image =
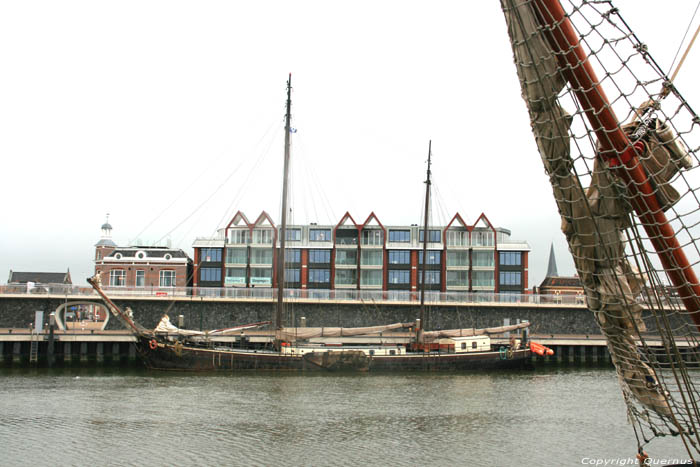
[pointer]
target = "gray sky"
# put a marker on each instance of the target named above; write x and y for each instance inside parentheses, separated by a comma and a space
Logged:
(143, 108)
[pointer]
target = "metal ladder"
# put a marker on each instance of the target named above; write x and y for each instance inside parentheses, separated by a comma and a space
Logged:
(34, 348)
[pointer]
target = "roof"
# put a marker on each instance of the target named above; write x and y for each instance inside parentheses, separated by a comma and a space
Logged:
(552, 266)
(106, 242)
(562, 282)
(149, 251)
(18, 277)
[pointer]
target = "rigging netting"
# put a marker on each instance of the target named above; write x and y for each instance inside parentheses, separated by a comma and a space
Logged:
(619, 144)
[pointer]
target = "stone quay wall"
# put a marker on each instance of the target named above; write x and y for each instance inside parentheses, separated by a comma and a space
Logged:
(215, 314)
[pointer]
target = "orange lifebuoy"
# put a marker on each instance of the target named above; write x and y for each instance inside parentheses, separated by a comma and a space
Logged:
(153, 344)
(540, 349)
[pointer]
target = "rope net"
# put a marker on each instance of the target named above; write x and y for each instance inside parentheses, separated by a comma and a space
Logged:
(620, 144)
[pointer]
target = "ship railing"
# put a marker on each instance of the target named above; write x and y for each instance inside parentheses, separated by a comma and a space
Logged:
(267, 293)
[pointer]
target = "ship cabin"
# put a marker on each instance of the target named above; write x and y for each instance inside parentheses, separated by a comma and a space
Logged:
(466, 344)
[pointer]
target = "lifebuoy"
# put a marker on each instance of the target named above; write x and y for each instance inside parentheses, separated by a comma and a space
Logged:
(153, 344)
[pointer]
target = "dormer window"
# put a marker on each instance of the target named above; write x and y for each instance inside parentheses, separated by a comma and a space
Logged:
(168, 257)
(140, 255)
(118, 256)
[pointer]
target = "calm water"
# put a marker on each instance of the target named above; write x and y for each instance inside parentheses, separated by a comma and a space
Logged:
(125, 417)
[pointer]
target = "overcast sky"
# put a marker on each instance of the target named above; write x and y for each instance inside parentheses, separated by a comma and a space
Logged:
(168, 115)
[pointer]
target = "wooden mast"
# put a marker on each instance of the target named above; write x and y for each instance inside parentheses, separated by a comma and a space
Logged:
(283, 227)
(425, 249)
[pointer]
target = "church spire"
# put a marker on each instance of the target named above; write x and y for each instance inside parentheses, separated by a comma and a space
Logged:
(552, 266)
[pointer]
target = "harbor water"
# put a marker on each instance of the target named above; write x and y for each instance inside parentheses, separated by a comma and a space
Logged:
(547, 417)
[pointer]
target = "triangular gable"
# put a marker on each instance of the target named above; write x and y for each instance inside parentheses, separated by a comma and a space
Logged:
(237, 219)
(371, 217)
(457, 218)
(344, 219)
(264, 219)
(484, 221)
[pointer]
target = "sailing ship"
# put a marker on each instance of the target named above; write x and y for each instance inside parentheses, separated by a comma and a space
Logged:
(626, 191)
(287, 348)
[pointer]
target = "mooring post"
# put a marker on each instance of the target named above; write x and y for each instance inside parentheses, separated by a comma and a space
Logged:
(50, 350)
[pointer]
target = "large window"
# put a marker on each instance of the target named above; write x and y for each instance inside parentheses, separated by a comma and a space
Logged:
(291, 276)
(235, 276)
(320, 276)
(457, 278)
(433, 236)
(510, 277)
(212, 255)
(210, 274)
(372, 257)
(482, 258)
(399, 257)
(140, 278)
(346, 257)
(292, 256)
(319, 256)
(431, 277)
(510, 258)
(238, 236)
(260, 276)
(433, 257)
(399, 277)
(482, 238)
(458, 258)
(237, 255)
(117, 278)
(167, 278)
(372, 237)
(262, 236)
(260, 256)
(294, 235)
(320, 235)
(371, 277)
(457, 238)
(346, 277)
(400, 236)
(482, 279)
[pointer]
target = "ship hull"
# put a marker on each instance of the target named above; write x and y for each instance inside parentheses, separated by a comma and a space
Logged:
(173, 356)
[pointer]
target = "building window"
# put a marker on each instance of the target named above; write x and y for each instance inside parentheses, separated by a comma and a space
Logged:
(400, 236)
(235, 276)
(346, 277)
(210, 274)
(433, 236)
(458, 258)
(510, 277)
(482, 238)
(260, 276)
(320, 235)
(237, 255)
(399, 277)
(238, 236)
(262, 236)
(371, 277)
(457, 238)
(433, 257)
(320, 276)
(482, 279)
(292, 256)
(167, 278)
(346, 257)
(431, 277)
(140, 278)
(294, 235)
(291, 276)
(399, 257)
(212, 255)
(372, 257)
(260, 256)
(117, 278)
(482, 258)
(510, 258)
(319, 256)
(140, 255)
(372, 237)
(457, 278)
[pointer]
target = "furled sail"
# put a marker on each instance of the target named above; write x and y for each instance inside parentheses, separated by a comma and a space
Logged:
(291, 334)
(625, 194)
(469, 332)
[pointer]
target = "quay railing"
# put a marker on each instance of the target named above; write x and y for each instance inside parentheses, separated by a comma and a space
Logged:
(267, 293)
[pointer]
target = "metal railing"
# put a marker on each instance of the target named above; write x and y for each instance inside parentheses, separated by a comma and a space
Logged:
(267, 293)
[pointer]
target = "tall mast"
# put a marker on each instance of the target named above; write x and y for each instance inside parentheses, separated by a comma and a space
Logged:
(283, 228)
(425, 248)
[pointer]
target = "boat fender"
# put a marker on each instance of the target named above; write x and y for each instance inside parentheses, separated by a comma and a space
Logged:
(540, 349)
(153, 344)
